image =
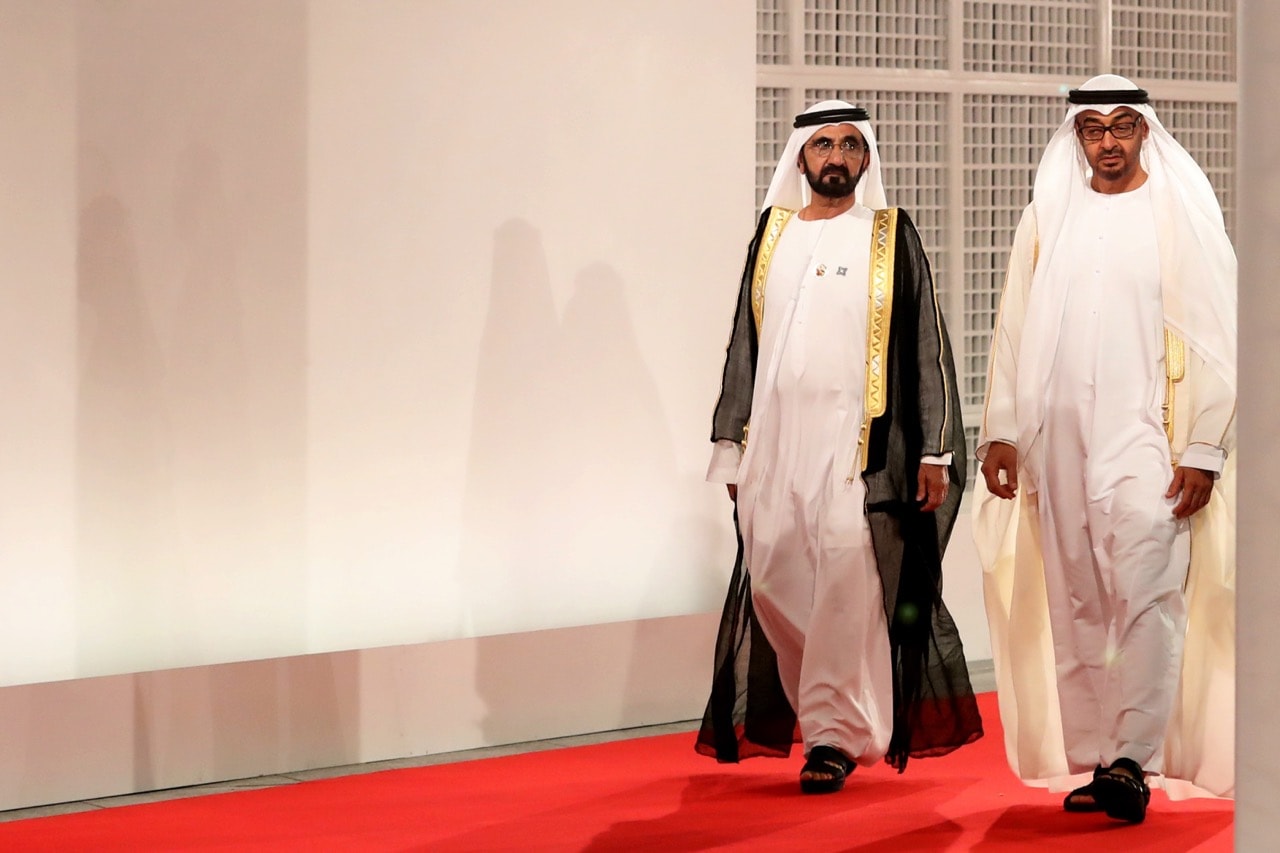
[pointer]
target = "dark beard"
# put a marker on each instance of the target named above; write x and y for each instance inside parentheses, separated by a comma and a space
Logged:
(833, 181)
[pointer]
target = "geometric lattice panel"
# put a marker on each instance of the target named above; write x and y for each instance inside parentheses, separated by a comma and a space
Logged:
(773, 40)
(876, 33)
(1208, 132)
(971, 427)
(1054, 37)
(1174, 39)
(949, 128)
(1004, 137)
(911, 137)
(773, 127)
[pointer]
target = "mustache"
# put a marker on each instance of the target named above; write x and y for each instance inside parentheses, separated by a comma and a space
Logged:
(834, 170)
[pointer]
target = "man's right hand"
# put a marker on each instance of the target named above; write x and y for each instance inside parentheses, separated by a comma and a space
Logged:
(1001, 457)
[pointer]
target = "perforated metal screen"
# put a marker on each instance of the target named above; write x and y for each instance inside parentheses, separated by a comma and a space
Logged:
(773, 126)
(876, 33)
(1174, 39)
(1208, 132)
(1004, 136)
(773, 46)
(910, 129)
(964, 95)
(1032, 37)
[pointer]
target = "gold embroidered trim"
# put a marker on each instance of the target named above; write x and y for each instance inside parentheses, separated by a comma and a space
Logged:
(777, 221)
(884, 235)
(944, 431)
(1175, 368)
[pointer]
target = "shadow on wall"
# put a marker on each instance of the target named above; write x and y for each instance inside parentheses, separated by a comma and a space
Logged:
(125, 549)
(191, 410)
(569, 450)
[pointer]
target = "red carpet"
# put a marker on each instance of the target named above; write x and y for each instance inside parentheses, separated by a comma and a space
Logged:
(647, 794)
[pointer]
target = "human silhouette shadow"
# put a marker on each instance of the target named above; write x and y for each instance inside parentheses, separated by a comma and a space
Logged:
(569, 456)
(124, 524)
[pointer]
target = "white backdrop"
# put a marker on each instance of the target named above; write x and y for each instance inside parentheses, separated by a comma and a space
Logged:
(338, 324)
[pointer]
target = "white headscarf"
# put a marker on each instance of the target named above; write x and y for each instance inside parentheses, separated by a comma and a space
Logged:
(1197, 263)
(790, 189)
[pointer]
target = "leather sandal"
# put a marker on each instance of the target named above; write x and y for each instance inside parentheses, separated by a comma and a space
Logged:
(830, 762)
(1122, 791)
(1082, 799)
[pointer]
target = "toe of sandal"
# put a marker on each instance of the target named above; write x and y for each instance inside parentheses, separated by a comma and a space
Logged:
(1122, 791)
(1082, 799)
(834, 766)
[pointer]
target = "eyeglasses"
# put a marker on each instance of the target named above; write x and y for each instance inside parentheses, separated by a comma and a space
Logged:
(1119, 130)
(824, 147)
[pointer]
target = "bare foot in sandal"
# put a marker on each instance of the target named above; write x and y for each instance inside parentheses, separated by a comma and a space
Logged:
(1082, 798)
(825, 770)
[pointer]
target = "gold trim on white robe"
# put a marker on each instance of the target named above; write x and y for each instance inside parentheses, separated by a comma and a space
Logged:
(1200, 740)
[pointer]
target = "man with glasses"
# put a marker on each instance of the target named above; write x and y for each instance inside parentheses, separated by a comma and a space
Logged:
(1105, 527)
(847, 483)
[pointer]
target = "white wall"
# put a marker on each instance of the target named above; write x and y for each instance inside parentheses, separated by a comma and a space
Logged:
(1258, 540)
(523, 249)
(38, 235)
(388, 327)
(338, 324)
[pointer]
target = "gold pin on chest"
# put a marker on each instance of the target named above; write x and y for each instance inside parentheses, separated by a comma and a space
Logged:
(821, 270)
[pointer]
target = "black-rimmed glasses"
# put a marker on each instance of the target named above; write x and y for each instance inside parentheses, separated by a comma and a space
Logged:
(1124, 129)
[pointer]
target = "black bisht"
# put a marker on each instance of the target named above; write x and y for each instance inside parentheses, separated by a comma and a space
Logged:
(934, 707)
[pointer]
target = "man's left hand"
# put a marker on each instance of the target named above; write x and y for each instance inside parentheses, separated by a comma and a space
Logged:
(1195, 487)
(934, 481)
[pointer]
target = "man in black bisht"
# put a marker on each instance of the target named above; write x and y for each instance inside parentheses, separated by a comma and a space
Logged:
(834, 633)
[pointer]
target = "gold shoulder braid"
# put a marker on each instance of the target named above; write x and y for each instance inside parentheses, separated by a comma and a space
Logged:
(1175, 368)
(778, 220)
(884, 234)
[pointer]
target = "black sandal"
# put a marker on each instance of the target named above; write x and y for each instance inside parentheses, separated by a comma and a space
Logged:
(1122, 791)
(1082, 799)
(829, 761)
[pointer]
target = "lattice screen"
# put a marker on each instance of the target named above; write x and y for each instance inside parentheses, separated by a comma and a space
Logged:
(1174, 39)
(876, 33)
(773, 45)
(1208, 132)
(1032, 37)
(773, 126)
(911, 138)
(947, 130)
(1004, 136)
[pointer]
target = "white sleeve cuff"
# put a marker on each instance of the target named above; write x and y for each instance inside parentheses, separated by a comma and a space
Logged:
(944, 459)
(981, 453)
(1204, 456)
(725, 457)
